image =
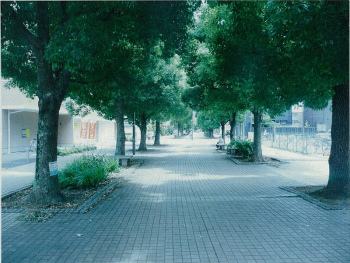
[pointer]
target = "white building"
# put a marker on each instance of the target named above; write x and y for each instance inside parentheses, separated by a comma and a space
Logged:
(19, 124)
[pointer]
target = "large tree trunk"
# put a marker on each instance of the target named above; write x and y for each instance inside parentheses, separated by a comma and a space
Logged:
(257, 152)
(46, 187)
(339, 159)
(157, 135)
(143, 128)
(233, 126)
(51, 92)
(120, 143)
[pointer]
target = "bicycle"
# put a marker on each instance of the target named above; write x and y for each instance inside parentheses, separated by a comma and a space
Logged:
(32, 145)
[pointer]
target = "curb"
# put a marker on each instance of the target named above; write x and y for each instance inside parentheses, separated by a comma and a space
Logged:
(88, 204)
(311, 199)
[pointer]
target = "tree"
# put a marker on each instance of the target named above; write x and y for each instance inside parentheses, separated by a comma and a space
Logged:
(207, 93)
(173, 81)
(128, 34)
(312, 40)
(28, 28)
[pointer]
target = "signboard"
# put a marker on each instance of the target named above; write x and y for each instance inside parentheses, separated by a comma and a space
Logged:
(92, 130)
(53, 168)
(76, 126)
(83, 130)
(25, 133)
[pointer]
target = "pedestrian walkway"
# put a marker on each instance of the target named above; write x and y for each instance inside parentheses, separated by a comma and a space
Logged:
(18, 169)
(189, 203)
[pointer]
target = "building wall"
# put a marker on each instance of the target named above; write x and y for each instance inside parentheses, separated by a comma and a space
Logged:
(23, 128)
(65, 130)
(285, 118)
(323, 117)
(106, 133)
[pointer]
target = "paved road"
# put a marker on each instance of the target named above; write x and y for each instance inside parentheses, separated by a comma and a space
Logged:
(189, 203)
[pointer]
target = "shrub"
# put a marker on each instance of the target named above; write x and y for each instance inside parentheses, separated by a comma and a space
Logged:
(87, 171)
(245, 147)
(231, 144)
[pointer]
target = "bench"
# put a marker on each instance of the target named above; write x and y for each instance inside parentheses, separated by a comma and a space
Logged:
(124, 160)
(222, 147)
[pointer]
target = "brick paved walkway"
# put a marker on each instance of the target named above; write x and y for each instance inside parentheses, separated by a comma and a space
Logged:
(188, 203)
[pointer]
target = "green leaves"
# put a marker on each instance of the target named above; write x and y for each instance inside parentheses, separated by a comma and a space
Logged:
(87, 171)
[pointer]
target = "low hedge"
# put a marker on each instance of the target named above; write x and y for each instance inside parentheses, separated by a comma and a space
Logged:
(87, 171)
(244, 147)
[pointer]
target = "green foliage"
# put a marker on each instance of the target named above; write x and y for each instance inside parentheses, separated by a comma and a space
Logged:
(63, 151)
(231, 145)
(244, 147)
(87, 171)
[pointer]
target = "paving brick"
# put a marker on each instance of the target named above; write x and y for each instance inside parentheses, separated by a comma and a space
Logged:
(189, 203)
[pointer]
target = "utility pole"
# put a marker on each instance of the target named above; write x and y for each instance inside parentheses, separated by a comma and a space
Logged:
(133, 135)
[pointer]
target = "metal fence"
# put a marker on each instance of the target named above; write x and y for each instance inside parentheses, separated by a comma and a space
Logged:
(297, 139)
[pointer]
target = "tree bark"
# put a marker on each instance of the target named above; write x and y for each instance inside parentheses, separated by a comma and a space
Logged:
(51, 91)
(210, 133)
(46, 187)
(120, 143)
(339, 159)
(233, 126)
(223, 130)
(180, 129)
(157, 135)
(257, 152)
(143, 128)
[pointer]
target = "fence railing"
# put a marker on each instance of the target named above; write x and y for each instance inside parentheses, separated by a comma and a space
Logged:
(304, 140)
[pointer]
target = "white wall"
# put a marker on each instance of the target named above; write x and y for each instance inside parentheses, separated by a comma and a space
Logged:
(18, 121)
(65, 130)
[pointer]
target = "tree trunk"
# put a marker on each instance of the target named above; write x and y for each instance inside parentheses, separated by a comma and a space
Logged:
(233, 126)
(143, 128)
(120, 143)
(339, 159)
(157, 135)
(223, 130)
(180, 129)
(210, 133)
(46, 188)
(51, 92)
(257, 152)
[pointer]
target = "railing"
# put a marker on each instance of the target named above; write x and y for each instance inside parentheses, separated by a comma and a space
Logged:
(304, 140)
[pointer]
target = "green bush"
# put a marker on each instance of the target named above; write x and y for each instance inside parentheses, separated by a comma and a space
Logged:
(244, 147)
(87, 171)
(231, 144)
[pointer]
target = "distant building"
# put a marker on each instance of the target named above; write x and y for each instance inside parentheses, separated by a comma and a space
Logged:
(300, 116)
(20, 124)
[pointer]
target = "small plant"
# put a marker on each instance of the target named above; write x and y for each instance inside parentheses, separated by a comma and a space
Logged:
(87, 171)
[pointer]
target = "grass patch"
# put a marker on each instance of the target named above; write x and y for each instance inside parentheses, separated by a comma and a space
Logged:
(63, 151)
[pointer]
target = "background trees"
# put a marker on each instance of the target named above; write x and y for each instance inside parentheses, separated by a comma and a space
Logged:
(88, 50)
(275, 54)
(119, 58)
